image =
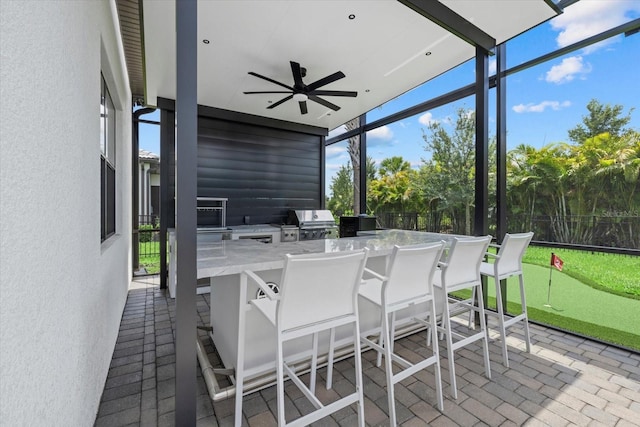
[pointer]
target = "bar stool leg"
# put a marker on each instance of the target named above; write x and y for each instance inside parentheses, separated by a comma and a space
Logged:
(523, 301)
(332, 337)
(358, 366)
(389, 370)
(280, 384)
(501, 327)
(314, 364)
(485, 337)
(446, 323)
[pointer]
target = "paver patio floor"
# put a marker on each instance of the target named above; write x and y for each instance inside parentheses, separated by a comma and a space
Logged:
(565, 380)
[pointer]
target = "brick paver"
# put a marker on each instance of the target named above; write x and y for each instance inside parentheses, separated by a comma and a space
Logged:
(565, 380)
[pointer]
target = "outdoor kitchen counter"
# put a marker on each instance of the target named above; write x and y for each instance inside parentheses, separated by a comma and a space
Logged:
(224, 261)
(234, 256)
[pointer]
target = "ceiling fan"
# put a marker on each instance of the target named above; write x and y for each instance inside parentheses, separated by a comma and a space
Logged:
(301, 92)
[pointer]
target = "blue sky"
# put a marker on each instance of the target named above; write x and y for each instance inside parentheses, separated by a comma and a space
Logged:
(543, 102)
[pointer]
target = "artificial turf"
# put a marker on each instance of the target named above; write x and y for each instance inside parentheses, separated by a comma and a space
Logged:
(575, 306)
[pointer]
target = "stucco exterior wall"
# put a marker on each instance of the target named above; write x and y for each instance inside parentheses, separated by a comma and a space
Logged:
(62, 291)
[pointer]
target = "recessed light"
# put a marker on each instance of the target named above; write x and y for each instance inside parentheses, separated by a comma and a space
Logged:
(270, 102)
(367, 90)
(352, 16)
(428, 53)
(205, 41)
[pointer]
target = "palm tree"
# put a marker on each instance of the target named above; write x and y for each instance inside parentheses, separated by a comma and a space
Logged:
(522, 184)
(354, 153)
(394, 191)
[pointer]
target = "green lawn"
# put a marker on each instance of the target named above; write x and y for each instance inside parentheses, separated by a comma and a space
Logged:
(575, 306)
(596, 294)
(151, 262)
(619, 274)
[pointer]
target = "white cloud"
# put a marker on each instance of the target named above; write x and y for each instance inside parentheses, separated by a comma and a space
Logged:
(539, 108)
(426, 119)
(335, 151)
(383, 132)
(332, 168)
(568, 70)
(337, 131)
(590, 17)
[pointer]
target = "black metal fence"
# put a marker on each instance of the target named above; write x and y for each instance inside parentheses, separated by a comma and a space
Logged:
(414, 221)
(603, 231)
(149, 239)
(149, 220)
(590, 230)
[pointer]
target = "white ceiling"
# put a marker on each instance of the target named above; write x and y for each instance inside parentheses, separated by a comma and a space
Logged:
(382, 51)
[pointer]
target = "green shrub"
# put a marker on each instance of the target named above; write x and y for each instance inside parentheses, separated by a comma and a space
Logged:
(146, 234)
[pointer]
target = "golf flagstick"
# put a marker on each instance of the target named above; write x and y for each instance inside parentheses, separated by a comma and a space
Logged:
(557, 263)
(548, 304)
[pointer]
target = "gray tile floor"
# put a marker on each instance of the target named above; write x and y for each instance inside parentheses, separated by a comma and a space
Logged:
(565, 380)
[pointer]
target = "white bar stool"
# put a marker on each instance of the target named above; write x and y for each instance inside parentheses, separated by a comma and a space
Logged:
(508, 263)
(461, 270)
(409, 281)
(318, 292)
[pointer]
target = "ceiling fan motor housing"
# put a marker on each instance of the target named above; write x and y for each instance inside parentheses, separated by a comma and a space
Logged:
(301, 92)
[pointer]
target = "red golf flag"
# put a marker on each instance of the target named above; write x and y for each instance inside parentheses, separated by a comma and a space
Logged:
(556, 261)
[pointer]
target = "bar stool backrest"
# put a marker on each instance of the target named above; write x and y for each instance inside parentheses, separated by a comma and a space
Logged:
(511, 252)
(411, 270)
(319, 287)
(464, 259)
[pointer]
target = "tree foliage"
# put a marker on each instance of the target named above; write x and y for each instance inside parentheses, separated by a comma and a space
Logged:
(601, 119)
(572, 186)
(341, 201)
(447, 180)
(394, 188)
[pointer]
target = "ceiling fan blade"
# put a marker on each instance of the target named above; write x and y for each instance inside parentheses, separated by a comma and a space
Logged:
(297, 74)
(303, 107)
(270, 80)
(321, 101)
(326, 80)
(335, 93)
(252, 93)
(285, 99)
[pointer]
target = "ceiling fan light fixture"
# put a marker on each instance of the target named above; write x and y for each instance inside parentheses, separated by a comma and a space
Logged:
(300, 97)
(302, 92)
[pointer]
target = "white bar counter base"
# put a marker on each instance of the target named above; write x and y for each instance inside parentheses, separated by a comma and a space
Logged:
(223, 262)
(210, 237)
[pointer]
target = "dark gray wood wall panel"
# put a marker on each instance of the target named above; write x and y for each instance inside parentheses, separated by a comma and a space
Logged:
(263, 171)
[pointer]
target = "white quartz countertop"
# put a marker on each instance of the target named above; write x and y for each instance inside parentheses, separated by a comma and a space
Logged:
(234, 256)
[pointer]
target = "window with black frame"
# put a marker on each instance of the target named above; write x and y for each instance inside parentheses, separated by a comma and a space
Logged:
(107, 164)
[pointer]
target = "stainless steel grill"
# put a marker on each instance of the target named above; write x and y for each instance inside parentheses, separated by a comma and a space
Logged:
(314, 224)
